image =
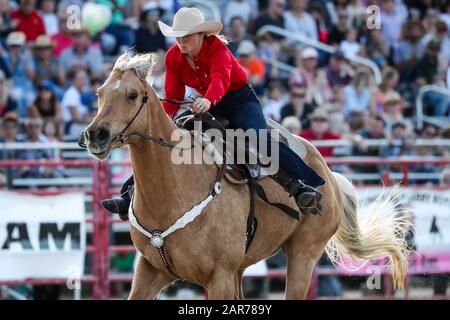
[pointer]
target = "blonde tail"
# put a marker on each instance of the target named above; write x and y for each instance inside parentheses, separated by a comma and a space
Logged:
(379, 233)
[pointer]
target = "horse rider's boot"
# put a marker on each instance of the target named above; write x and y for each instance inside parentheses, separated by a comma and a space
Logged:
(117, 205)
(308, 199)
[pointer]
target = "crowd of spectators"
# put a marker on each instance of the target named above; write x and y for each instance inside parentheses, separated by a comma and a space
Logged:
(49, 71)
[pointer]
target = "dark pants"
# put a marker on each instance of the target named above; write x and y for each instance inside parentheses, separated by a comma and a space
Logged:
(242, 108)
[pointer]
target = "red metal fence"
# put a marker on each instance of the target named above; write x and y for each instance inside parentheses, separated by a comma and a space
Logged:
(101, 277)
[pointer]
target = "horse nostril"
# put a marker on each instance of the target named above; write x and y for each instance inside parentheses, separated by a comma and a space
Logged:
(99, 135)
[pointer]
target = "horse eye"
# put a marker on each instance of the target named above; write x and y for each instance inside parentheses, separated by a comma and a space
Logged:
(132, 96)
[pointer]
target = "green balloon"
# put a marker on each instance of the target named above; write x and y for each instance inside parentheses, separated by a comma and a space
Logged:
(95, 17)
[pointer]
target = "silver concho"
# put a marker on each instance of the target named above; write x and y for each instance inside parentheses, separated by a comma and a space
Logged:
(156, 240)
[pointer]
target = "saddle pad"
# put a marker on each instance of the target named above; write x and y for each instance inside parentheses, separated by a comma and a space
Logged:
(292, 142)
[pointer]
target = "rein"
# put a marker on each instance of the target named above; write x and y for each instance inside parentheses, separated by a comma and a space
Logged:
(122, 137)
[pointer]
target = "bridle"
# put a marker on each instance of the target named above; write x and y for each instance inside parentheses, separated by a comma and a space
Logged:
(122, 137)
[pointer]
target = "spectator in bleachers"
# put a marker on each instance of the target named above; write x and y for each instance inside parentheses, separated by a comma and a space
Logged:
(376, 48)
(272, 16)
(34, 135)
(28, 20)
(47, 67)
(405, 136)
(7, 24)
(426, 72)
(7, 102)
(21, 63)
(63, 38)
(292, 124)
(49, 17)
(391, 22)
(376, 129)
(297, 105)
(358, 94)
(320, 130)
(445, 15)
(89, 96)
(440, 35)
(252, 65)
(409, 51)
(148, 37)
(389, 81)
(393, 111)
(350, 46)
(338, 71)
(268, 51)
(316, 79)
(237, 8)
(299, 21)
(47, 107)
(340, 28)
(82, 55)
(9, 133)
(428, 132)
(318, 12)
(75, 114)
(123, 34)
(236, 33)
(274, 101)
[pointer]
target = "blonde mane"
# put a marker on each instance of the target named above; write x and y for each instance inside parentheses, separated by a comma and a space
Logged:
(141, 63)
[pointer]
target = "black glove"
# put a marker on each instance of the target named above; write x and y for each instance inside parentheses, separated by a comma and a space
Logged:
(81, 141)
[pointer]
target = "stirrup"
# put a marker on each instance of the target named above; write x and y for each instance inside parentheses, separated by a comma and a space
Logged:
(314, 206)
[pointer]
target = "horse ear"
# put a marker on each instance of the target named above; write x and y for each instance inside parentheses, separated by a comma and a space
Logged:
(153, 62)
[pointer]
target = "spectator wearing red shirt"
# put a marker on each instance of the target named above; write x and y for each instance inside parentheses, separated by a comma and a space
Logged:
(64, 38)
(200, 59)
(319, 130)
(28, 20)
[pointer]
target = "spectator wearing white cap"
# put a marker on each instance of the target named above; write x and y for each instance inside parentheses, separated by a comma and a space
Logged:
(316, 80)
(255, 67)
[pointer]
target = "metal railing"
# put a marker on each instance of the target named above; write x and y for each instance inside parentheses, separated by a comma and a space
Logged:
(420, 117)
(324, 47)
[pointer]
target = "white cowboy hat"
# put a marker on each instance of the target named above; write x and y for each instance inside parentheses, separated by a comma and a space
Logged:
(189, 21)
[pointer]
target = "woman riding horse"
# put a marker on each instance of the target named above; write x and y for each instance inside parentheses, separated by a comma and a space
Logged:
(201, 59)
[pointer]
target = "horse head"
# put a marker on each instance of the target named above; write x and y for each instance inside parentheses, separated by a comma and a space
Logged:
(122, 105)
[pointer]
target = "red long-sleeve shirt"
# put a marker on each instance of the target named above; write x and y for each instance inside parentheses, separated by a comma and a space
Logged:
(32, 25)
(217, 72)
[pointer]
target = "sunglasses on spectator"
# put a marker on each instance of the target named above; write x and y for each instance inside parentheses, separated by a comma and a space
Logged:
(34, 125)
(320, 120)
(298, 95)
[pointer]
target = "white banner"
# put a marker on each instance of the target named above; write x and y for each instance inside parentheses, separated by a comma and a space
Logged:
(431, 214)
(42, 236)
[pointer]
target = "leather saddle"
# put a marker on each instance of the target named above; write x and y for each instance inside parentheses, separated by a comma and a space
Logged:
(236, 173)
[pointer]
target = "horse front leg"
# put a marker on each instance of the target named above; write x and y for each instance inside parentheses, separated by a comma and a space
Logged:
(148, 281)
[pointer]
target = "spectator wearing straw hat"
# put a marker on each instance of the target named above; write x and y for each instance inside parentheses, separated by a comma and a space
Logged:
(28, 20)
(47, 67)
(319, 130)
(21, 63)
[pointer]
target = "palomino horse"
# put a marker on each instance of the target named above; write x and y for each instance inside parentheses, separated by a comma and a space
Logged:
(211, 251)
